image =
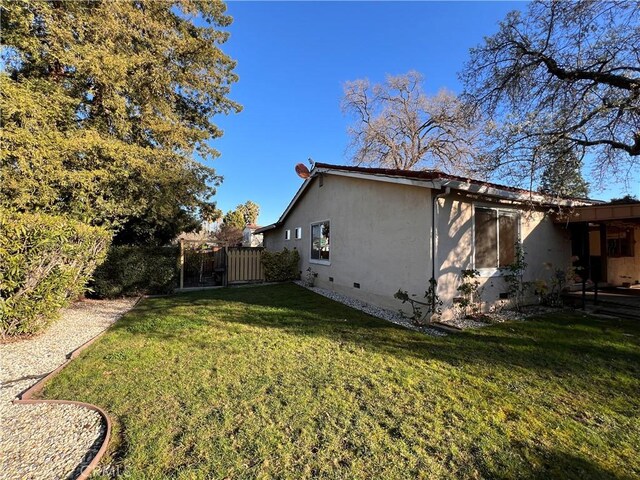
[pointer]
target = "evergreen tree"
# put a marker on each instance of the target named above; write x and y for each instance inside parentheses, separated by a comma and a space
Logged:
(562, 175)
(104, 105)
(243, 214)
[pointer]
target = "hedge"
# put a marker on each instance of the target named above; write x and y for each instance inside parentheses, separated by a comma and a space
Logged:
(281, 266)
(45, 261)
(132, 270)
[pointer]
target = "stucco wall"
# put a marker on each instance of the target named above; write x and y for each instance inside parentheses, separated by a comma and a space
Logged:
(381, 239)
(380, 236)
(547, 248)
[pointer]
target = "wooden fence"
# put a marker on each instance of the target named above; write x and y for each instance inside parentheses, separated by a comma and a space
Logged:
(244, 264)
(204, 264)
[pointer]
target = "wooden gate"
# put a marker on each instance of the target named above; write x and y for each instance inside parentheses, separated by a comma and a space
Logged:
(204, 264)
(244, 265)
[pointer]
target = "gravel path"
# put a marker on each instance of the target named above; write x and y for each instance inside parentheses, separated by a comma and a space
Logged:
(384, 314)
(46, 441)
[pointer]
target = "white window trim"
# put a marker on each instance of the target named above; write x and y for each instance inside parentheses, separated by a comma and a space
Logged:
(494, 271)
(298, 229)
(313, 260)
(287, 235)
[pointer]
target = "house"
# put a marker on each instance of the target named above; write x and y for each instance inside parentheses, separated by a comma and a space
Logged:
(249, 236)
(367, 232)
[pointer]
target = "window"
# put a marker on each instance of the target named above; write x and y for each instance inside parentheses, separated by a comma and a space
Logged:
(287, 234)
(320, 235)
(298, 233)
(496, 234)
(620, 242)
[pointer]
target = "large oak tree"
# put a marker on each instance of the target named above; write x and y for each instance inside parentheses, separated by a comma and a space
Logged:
(562, 74)
(397, 125)
(106, 105)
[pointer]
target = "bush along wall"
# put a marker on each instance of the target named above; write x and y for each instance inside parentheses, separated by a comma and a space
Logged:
(45, 261)
(131, 270)
(281, 266)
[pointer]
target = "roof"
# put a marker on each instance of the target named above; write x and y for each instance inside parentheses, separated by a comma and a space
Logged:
(608, 212)
(430, 179)
(430, 175)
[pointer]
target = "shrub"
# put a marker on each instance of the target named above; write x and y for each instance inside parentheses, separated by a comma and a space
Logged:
(423, 313)
(281, 266)
(131, 270)
(514, 278)
(470, 303)
(45, 261)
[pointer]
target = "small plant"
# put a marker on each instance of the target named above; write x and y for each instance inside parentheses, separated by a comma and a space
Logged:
(514, 277)
(498, 306)
(310, 277)
(541, 290)
(423, 313)
(560, 280)
(470, 303)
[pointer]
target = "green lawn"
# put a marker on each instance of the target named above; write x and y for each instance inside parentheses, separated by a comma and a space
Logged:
(277, 382)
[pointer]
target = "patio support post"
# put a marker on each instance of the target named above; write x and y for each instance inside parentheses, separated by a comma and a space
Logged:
(603, 253)
(586, 263)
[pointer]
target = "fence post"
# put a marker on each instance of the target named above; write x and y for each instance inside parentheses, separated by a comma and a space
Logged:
(181, 264)
(226, 266)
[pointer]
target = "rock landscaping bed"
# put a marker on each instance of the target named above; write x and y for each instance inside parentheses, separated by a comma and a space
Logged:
(384, 314)
(502, 316)
(456, 323)
(49, 441)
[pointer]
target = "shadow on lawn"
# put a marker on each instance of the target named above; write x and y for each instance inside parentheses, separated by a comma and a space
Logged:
(565, 344)
(566, 465)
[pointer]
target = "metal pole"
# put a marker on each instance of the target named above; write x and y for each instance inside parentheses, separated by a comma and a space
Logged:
(586, 263)
(181, 264)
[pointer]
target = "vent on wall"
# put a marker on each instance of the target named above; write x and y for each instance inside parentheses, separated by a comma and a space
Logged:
(331, 279)
(356, 285)
(504, 295)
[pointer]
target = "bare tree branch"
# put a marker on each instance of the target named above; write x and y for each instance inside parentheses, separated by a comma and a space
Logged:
(397, 125)
(564, 72)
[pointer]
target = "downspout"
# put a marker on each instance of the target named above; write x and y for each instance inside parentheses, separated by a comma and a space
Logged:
(434, 209)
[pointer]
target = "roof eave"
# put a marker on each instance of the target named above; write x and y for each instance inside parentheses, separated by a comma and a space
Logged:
(266, 228)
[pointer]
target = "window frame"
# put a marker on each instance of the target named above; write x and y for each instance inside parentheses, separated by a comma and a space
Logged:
(297, 235)
(315, 260)
(614, 238)
(486, 272)
(287, 234)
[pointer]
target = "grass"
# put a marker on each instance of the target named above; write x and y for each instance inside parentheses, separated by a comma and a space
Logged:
(277, 382)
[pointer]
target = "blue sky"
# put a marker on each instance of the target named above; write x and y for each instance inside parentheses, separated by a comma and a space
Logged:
(293, 58)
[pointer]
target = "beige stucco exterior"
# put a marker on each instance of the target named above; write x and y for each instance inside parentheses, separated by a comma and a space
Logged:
(380, 236)
(381, 239)
(547, 248)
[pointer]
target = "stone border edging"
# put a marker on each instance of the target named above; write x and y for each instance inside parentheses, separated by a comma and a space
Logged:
(446, 327)
(25, 398)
